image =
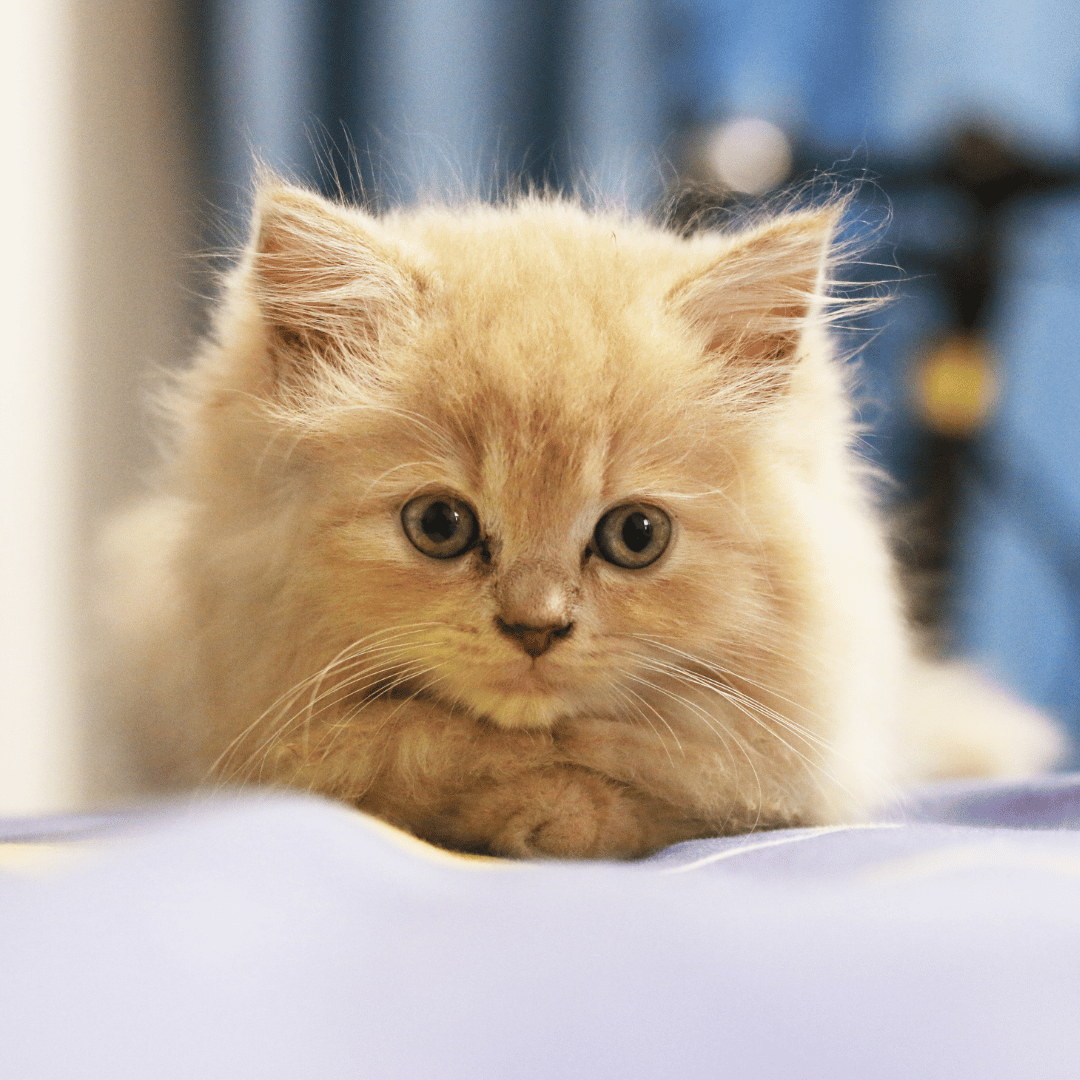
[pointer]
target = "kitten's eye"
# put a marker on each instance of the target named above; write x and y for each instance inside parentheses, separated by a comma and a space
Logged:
(633, 535)
(440, 525)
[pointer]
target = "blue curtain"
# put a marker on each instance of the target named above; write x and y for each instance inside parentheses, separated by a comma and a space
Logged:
(391, 99)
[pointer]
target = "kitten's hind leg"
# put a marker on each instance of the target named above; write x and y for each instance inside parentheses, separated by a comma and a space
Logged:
(958, 723)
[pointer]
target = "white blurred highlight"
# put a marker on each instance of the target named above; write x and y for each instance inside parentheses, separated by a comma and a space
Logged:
(748, 155)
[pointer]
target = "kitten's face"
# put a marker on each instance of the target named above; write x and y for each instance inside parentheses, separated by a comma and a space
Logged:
(546, 513)
(538, 482)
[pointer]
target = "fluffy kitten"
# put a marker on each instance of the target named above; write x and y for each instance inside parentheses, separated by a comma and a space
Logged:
(530, 530)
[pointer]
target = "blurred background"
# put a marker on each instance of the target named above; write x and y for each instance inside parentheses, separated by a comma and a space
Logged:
(132, 128)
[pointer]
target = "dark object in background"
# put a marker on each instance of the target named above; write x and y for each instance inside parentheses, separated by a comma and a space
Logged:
(953, 382)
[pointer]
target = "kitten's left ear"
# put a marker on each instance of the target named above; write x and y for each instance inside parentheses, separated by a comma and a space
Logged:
(752, 301)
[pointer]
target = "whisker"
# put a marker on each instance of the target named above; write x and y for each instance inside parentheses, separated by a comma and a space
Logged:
(660, 716)
(741, 677)
(714, 724)
(354, 651)
(307, 716)
(732, 694)
(759, 713)
(340, 728)
(805, 734)
(625, 694)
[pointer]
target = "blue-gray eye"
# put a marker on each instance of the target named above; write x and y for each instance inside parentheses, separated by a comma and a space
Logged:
(440, 525)
(633, 535)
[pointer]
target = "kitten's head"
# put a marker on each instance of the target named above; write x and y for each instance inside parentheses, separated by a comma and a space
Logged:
(532, 461)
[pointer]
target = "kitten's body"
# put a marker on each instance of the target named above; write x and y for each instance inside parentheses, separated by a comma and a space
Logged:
(541, 366)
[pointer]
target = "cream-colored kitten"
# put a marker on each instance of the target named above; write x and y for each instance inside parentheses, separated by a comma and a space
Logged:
(530, 530)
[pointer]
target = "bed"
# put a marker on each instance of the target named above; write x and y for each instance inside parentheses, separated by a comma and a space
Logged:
(270, 935)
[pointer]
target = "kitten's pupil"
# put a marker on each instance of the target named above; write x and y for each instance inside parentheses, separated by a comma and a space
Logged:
(440, 521)
(637, 532)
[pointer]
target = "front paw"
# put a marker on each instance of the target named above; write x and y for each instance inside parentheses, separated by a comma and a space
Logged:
(563, 812)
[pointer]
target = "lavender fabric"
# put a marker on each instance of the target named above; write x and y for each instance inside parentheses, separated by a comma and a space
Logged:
(270, 936)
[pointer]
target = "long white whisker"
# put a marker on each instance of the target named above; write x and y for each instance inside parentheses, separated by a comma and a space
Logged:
(799, 730)
(307, 716)
(741, 677)
(659, 716)
(626, 695)
(282, 706)
(714, 724)
(297, 689)
(733, 694)
(340, 728)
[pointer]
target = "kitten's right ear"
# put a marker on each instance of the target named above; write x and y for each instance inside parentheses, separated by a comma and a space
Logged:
(333, 292)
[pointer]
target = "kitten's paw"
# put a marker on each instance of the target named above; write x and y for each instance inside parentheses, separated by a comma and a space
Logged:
(564, 813)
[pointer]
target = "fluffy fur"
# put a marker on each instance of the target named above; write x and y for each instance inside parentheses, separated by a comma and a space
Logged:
(542, 365)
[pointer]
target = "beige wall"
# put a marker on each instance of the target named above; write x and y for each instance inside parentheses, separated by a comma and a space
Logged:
(97, 206)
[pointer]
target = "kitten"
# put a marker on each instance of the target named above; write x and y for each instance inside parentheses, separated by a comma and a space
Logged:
(529, 530)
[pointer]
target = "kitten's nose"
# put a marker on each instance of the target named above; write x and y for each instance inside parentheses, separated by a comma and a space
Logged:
(535, 640)
(535, 600)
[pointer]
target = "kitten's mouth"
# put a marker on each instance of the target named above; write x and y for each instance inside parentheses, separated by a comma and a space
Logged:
(514, 702)
(537, 709)
(518, 710)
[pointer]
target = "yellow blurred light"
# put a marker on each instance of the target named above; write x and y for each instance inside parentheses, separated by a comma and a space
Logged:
(957, 386)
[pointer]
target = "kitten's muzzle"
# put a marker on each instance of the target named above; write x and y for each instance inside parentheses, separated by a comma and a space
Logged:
(535, 640)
